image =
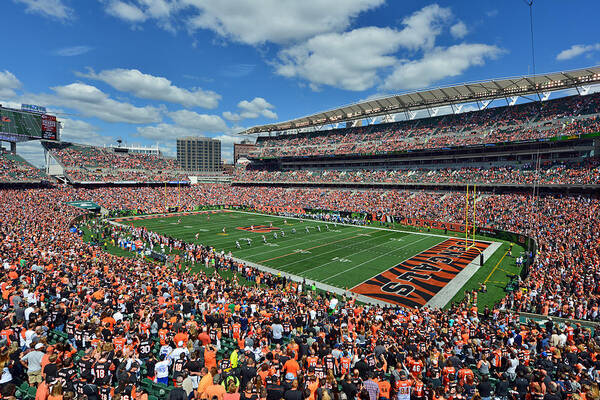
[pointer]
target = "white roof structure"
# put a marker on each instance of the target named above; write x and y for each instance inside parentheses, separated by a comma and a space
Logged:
(409, 102)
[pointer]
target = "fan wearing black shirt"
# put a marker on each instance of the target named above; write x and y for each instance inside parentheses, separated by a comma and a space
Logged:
(275, 391)
(67, 374)
(145, 347)
(179, 365)
(102, 372)
(349, 388)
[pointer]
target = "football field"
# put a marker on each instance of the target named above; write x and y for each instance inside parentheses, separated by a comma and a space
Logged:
(405, 268)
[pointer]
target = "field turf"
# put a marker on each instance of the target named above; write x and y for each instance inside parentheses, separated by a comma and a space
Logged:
(341, 256)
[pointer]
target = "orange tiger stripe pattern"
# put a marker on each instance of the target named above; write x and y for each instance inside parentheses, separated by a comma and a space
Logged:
(415, 281)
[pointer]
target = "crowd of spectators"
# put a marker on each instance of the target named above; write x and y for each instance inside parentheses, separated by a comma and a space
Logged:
(15, 169)
(573, 115)
(78, 322)
(586, 173)
(99, 164)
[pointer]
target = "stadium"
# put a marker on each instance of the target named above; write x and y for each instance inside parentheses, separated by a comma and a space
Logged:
(437, 243)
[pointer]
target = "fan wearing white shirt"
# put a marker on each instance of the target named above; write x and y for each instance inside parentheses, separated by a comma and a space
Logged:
(161, 369)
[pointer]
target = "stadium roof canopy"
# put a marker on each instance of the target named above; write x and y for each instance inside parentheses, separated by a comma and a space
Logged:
(409, 102)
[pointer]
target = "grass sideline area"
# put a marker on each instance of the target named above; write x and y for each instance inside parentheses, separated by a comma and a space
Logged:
(343, 257)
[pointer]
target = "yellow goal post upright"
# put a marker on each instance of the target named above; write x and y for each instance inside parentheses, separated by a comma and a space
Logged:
(473, 211)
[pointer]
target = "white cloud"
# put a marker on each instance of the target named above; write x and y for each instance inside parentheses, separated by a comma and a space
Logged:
(92, 102)
(422, 27)
(73, 51)
(279, 21)
(459, 30)
(252, 109)
(227, 142)
(8, 84)
(246, 21)
(352, 60)
(198, 122)
(347, 60)
(78, 131)
(152, 87)
(138, 11)
(438, 64)
(577, 50)
(126, 11)
(48, 8)
(164, 132)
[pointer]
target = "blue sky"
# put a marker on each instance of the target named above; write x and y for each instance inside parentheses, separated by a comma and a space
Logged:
(148, 71)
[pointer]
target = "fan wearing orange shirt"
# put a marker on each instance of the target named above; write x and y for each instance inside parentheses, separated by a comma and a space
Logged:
(384, 387)
(182, 337)
(447, 371)
(163, 334)
(416, 367)
(210, 356)
(119, 343)
(291, 365)
(463, 374)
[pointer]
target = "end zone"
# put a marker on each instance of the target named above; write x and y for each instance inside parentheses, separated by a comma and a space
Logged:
(428, 278)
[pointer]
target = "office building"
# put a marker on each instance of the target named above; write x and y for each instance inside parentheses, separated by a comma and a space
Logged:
(199, 154)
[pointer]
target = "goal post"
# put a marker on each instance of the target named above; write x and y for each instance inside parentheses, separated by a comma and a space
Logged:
(470, 195)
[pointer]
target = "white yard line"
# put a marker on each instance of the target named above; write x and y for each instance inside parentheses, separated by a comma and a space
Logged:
(368, 261)
(439, 300)
(319, 285)
(332, 251)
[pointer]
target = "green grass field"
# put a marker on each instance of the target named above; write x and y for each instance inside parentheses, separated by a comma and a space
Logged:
(343, 256)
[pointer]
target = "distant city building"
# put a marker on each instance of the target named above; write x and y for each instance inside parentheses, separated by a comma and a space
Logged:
(199, 154)
(242, 149)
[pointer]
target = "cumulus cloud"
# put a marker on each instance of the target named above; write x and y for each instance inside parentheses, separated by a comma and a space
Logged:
(246, 21)
(347, 60)
(577, 50)
(252, 109)
(354, 60)
(152, 87)
(439, 64)
(278, 21)
(90, 101)
(199, 122)
(76, 130)
(8, 84)
(54, 9)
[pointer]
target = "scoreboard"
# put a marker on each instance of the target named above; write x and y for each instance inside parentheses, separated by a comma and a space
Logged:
(19, 125)
(49, 128)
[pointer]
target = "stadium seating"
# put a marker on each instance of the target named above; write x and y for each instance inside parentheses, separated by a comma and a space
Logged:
(98, 164)
(14, 169)
(586, 173)
(574, 115)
